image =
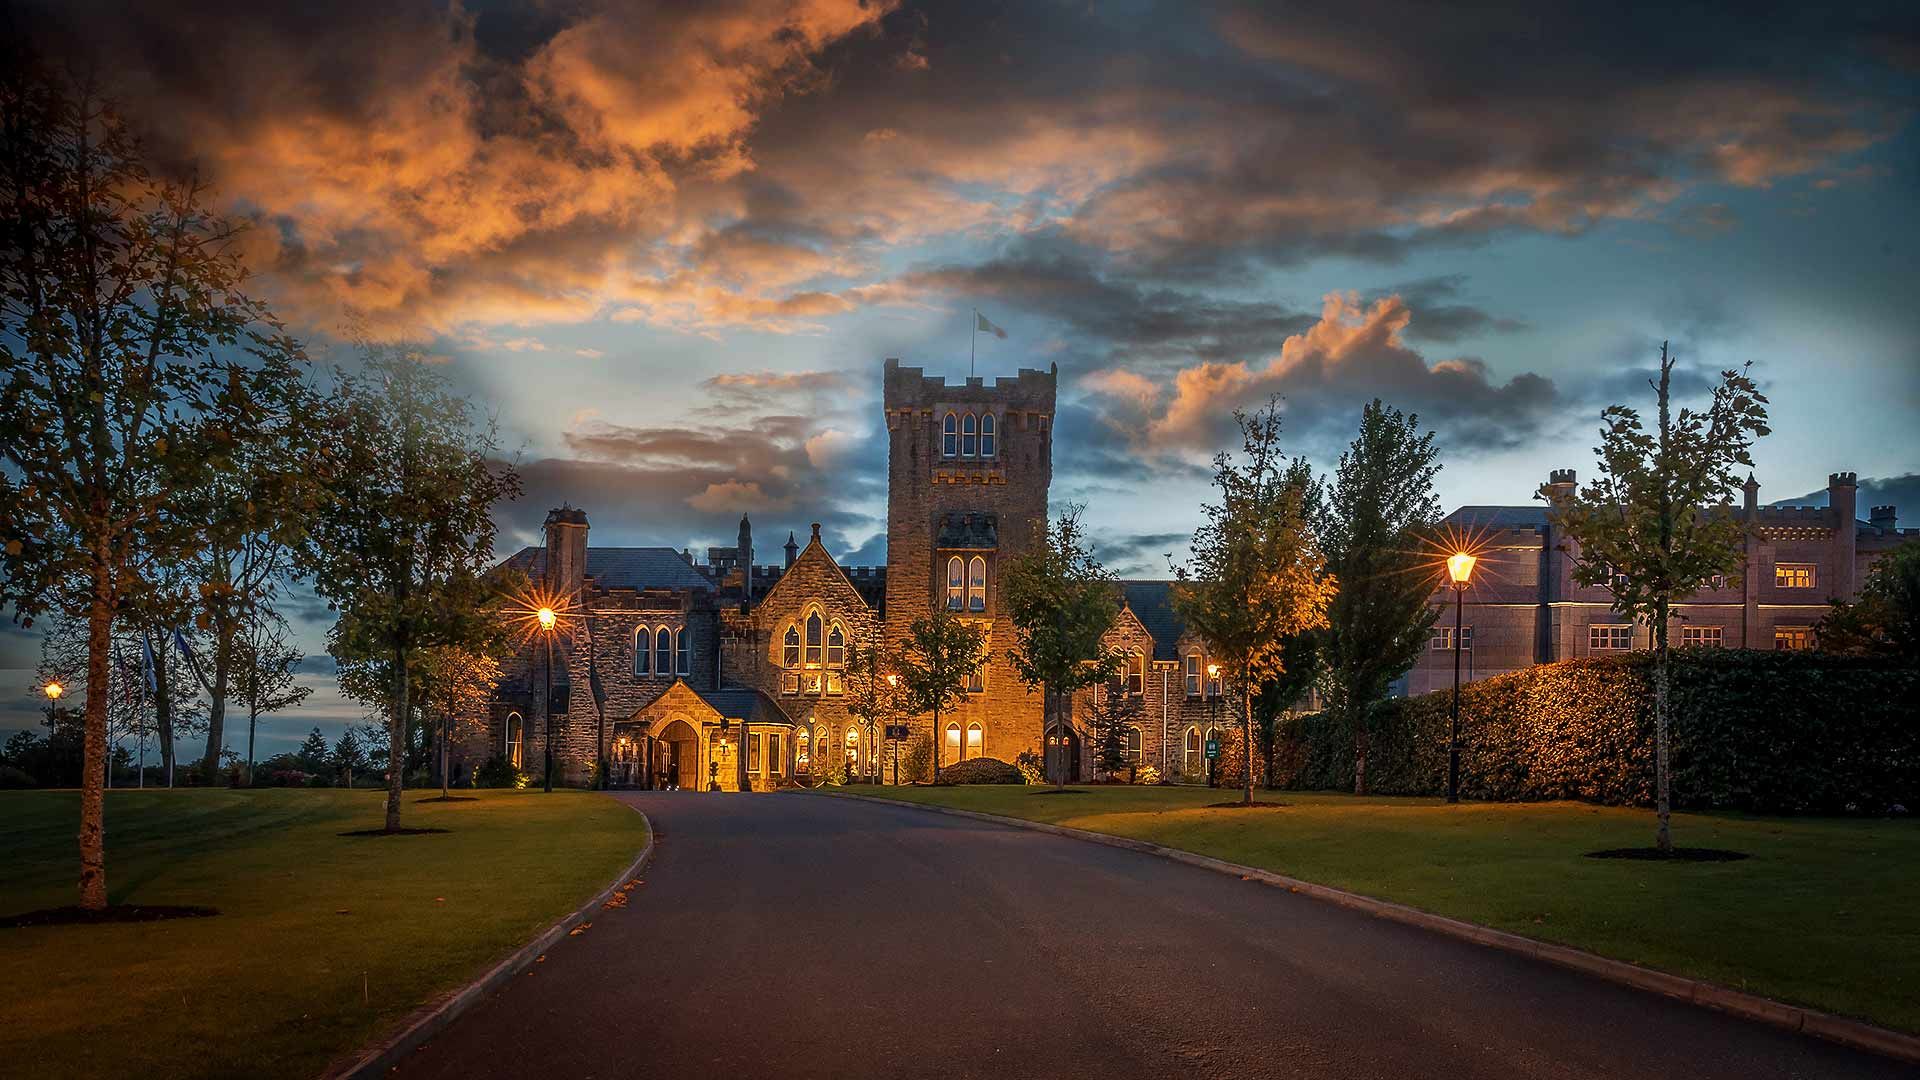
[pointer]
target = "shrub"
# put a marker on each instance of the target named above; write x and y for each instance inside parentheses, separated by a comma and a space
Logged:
(281, 778)
(498, 772)
(11, 777)
(981, 770)
(1146, 774)
(1765, 732)
(1033, 767)
(917, 765)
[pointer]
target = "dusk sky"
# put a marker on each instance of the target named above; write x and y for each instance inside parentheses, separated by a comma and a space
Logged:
(669, 245)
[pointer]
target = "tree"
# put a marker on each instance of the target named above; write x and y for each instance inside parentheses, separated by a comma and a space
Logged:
(132, 364)
(873, 693)
(939, 656)
(404, 538)
(1255, 576)
(1372, 522)
(1657, 523)
(1884, 619)
(1061, 602)
(1299, 667)
(63, 659)
(1113, 715)
(347, 755)
(265, 664)
(313, 752)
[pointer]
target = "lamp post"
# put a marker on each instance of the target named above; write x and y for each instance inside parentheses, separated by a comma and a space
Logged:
(53, 691)
(1460, 569)
(1213, 714)
(893, 702)
(547, 620)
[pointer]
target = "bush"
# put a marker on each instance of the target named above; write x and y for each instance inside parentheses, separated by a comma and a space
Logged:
(1764, 732)
(1146, 774)
(281, 778)
(498, 772)
(917, 765)
(981, 770)
(11, 777)
(1032, 766)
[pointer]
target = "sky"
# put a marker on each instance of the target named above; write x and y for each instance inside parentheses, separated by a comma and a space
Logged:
(666, 246)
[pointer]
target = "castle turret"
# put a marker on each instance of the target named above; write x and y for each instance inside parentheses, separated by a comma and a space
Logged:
(1842, 494)
(744, 558)
(793, 549)
(1884, 518)
(566, 568)
(1560, 485)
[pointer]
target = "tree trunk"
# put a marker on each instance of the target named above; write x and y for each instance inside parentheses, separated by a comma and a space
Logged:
(217, 704)
(940, 743)
(445, 754)
(163, 708)
(253, 721)
(1662, 775)
(397, 734)
(1246, 744)
(1358, 720)
(93, 773)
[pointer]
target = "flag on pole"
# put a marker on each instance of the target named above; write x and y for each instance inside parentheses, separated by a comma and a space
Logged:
(982, 325)
(146, 663)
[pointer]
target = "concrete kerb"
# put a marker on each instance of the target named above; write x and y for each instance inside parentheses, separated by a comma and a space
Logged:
(1853, 1033)
(431, 1019)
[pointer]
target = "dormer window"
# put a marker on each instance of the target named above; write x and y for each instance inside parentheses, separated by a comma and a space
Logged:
(969, 436)
(977, 584)
(814, 632)
(987, 432)
(950, 436)
(790, 647)
(956, 584)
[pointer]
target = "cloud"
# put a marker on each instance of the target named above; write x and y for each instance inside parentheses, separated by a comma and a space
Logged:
(1902, 492)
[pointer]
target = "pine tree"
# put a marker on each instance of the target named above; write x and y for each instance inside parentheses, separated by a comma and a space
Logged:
(313, 753)
(347, 755)
(1113, 715)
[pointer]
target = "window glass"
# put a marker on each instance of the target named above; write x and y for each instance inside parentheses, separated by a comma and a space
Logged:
(642, 651)
(776, 760)
(1136, 674)
(1610, 638)
(1133, 742)
(1193, 674)
(950, 750)
(1792, 638)
(663, 651)
(977, 584)
(949, 436)
(974, 739)
(1705, 636)
(1793, 575)
(988, 428)
(790, 650)
(836, 647)
(515, 732)
(956, 581)
(684, 638)
(969, 444)
(813, 639)
(753, 754)
(1443, 638)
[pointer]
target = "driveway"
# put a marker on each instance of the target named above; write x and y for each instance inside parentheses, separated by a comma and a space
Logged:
(795, 935)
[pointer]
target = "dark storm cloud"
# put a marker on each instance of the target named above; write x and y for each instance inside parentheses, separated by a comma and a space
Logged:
(1900, 492)
(1440, 317)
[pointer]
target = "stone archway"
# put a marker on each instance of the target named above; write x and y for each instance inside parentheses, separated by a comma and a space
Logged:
(677, 755)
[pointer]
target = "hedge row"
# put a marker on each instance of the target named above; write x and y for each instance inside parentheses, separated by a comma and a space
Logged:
(1792, 732)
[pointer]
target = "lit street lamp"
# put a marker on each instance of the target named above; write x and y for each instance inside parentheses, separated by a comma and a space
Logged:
(547, 619)
(1213, 714)
(893, 684)
(1460, 569)
(53, 692)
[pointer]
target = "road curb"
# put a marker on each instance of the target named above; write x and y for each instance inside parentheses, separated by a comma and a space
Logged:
(429, 1020)
(1839, 1029)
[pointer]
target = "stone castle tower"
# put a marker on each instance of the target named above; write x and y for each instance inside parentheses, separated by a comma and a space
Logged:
(968, 467)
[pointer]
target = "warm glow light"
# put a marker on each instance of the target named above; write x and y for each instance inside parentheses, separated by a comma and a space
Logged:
(547, 618)
(54, 690)
(893, 680)
(1213, 671)
(1460, 567)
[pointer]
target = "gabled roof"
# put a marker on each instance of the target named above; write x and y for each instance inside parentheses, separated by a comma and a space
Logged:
(1499, 517)
(623, 568)
(745, 703)
(1152, 604)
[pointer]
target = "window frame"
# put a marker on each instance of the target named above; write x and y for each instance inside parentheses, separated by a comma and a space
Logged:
(814, 640)
(1193, 746)
(956, 583)
(1136, 743)
(836, 645)
(776, 755)
(978, 746)
(643, 652)
(1612, 631)
(969, 436)
(1136, 681)
(989, 435)
(790, 646)
(1192, 672)
(514, 738)
(683, 651)
(977, 584)
(663, 651)
(950, 435)
(1786, 635)
(1786, 575)
(1710, 637)
(951, 736)
(1442, 639)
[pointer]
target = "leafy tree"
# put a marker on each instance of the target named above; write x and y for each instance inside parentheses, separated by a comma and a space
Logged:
(1300, 666)
(456, 685)
(1884, 620)
(63, 659)
(132, 364)
(1657, 523)
(1113, 714)
(404, 539)
(265, 664)
(1061, 602)
(348, 755)
(313, 752)
(873, 694)
(1256, 576)
(941, 652)
(1372, 521)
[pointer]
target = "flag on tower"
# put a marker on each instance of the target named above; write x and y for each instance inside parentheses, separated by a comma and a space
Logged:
(985, 327)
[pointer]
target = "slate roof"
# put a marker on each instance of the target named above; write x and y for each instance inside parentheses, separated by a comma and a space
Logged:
(981, 531)
(1499, 517)
(623, 568)
(743, 703)
(1152, 604)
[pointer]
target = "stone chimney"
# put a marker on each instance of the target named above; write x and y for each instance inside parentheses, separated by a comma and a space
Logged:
(1884, 518)
(566, 552)
(1560, 485)
(1752, 502)
(793, 549)
(745, 557)
(1842, 493)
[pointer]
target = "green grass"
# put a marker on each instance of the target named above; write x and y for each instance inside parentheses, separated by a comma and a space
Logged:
(323, 943)
(1826, 913)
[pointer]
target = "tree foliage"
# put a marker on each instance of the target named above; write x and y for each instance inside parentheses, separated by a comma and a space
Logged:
(1884, 619)
(265, 665)
(873, 694)
(1373, 519)
(1115, 713)
(1657, 522)
(1062, 602)
(938, 656)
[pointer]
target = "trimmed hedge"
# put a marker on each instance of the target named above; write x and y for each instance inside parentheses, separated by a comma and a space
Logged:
(1772, 732)
(981, 770)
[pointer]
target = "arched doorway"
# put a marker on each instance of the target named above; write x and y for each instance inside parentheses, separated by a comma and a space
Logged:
(1063, 754)
(677, 756)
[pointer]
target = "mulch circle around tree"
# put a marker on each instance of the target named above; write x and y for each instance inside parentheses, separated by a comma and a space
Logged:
(115, 913)
(392, 832)
(1679, 854)
(1254, 805)
(450, 798)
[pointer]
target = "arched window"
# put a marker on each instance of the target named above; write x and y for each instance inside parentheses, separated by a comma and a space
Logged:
(663, 651)
(977, 584)
(802, 748)
(683, 642)
(969, 436)
(1194, 751)
(950, 750)
(820, 742)
(975, 739)
(853, 746)
(516, 734)
(836, 647)
(987, 428)
(643, 651)
(814, 630)
(956, 584)
(950, 436)
(790, 647)
(1133, 743)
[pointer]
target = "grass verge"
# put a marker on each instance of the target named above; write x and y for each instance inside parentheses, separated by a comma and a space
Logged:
(323, 942)
(1822, 914)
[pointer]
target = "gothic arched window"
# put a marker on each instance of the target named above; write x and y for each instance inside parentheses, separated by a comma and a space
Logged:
(1194, 760)
(949, 436)
(836, 646)
(790, 647)
(642, 651)
(683, 640)
(956, 584)
(814, 630)
(969, 438)
(663, 651)
(515, 734)
(975, 739)
(987, 429)
(977, 584)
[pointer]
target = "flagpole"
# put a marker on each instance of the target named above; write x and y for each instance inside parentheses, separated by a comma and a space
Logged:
(971, 340)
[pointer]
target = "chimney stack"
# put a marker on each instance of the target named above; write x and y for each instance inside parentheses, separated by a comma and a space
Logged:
(566, 571)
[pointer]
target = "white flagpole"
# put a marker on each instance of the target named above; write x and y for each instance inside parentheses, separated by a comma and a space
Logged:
(971, 339)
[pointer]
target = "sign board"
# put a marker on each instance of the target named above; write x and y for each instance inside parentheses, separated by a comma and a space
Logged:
(1213, 749)
(898, 732)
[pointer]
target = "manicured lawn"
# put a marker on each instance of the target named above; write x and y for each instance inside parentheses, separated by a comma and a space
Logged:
(323, 941)
(1826, 913)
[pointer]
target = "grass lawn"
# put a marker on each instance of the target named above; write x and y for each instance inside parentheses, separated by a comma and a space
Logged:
(1826, 913)
(323, 941)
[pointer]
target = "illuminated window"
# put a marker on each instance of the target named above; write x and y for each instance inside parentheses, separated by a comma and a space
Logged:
(853, 746)
(1442, 640)
(753, 754)
(1702, 636)
(802, 749)
(977, 584)
(1609, 638)
(836, 647)
(790, 650)
(663, 651)
(820, 742)
(814, 629)
(1193, 674)
(1136, 673)
(950, 751)
(1133, 743)
(1195, 753)
(776, 758)
(516, 737)
(988, 428)
(643, 651)
(956, 584)
(975, 739)
(1792, 638)
(683, 641)
(950, 436)
(969, 437)
(834, 684)
(1793, 575)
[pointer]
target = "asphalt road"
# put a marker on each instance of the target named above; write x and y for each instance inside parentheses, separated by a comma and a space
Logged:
(794, 935)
